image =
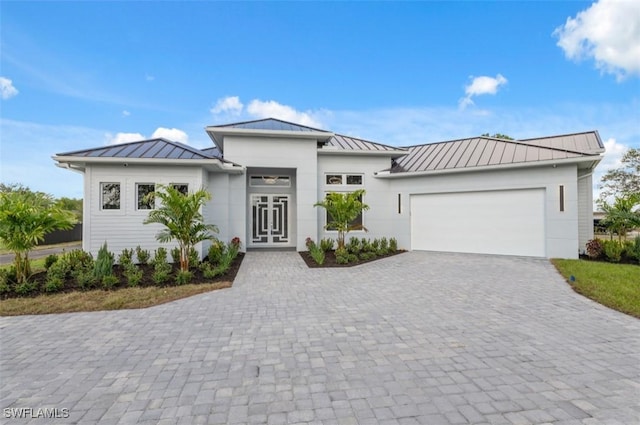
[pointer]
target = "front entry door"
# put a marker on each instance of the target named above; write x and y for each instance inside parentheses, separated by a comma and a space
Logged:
(269, 220)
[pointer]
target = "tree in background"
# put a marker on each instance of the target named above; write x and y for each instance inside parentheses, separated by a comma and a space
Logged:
(625, 180)
(343, 209)
(25, 218)
(71, 204)
(498, 136)
(181, 216)
(622, 216)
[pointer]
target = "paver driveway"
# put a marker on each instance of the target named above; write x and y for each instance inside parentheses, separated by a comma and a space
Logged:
(429, 338)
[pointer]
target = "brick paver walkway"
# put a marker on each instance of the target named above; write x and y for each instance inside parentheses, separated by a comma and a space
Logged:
(420, 338)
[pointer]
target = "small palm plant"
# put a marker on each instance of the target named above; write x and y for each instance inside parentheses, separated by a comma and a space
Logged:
(343, 209)
(182, 218)
(25, 218)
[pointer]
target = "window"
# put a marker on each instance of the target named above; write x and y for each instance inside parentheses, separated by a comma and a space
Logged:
(144, 201)
(110, 193)
(279, 181)
(181, 187)
(343, 179)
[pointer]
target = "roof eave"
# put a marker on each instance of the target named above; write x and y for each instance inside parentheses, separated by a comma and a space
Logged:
(338, 151)
(212, 164)
(585, 160)
(216, 133)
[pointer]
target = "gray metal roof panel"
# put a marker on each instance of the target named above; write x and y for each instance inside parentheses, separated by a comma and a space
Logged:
(353, 143)
(588, 142)
(152, 149)
(483, 151)
(269, 124)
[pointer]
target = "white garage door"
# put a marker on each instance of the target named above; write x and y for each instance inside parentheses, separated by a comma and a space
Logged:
(509, 222)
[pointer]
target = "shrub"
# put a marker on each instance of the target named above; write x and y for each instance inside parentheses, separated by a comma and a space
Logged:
(133, 274)
(366, 256)
(215, 251)
(309, 242)
(77, 259)
(109, 281)
(342, 256)
(594, 249)
(161, 268)
(85, 279)
(236, 243)
(317, 254)
(48, 262)
(366, 246)
(353, 246)
(326, 244)
(54, 284)
(612, 250)
(393, 245)
(142, 255)
(175, 255)
(183, 277)
(375, 245)
(384, 247)
(208, 270)
(635, 249)
(104, 263)
(125, 257)
(194, 257)
(5, 283)
(352, 258)
(25, 288)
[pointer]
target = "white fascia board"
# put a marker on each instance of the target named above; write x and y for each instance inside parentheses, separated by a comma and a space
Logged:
(210, 164)
(595, 159)
(392, 154)
(316, 135)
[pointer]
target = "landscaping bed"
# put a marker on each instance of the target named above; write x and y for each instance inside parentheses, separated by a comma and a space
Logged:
(331, 261)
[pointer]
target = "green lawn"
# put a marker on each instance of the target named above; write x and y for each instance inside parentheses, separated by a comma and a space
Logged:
(616, 286)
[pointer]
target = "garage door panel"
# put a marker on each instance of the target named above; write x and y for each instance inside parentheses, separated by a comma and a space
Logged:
(507, 222)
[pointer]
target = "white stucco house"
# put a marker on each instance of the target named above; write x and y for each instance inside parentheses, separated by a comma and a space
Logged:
(480, 195)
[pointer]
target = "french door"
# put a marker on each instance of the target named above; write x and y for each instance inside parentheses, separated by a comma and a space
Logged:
(269, 220)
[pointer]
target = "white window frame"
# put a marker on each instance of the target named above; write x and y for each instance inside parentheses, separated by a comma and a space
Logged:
(344, 177)
(102, 200)
(138, 199)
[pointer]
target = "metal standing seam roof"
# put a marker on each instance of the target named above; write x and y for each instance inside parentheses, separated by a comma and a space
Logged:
(586, 142)
(485, 151)
(153, 148)
(269, 124)
(353, 143)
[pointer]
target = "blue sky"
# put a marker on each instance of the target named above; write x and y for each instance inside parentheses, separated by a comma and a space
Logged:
(76, 75)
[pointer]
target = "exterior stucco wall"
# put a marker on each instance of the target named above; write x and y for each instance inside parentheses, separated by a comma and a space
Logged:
(561, 232)
(380, 218)
(585, 208)
(297, 154)
(123, 228)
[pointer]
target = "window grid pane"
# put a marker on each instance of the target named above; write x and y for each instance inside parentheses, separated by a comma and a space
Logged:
(144, 189)
(110, 196)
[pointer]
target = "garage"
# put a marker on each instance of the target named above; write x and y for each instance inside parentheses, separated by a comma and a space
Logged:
(507, 222)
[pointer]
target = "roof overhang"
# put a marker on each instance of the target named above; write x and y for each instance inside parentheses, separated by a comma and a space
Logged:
(217, 134)
(586, 162)
(332, 150)
(80, 163)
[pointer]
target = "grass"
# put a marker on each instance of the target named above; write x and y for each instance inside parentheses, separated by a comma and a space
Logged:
(103, 300)
(616, 286)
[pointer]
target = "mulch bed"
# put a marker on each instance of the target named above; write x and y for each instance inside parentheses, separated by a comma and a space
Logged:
(147, 280)
(330, 259)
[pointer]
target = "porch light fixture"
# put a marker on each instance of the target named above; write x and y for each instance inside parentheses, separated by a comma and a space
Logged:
(270, 179)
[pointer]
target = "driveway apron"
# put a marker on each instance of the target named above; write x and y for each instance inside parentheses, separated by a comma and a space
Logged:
(418, 338)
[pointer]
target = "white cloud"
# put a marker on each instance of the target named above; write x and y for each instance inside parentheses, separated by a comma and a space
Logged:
(230, 108)
(479, 86)
(149, 77)
(230, 104)
(7, 89)
(173, 134)
(273, 109)
(126, 113)
(123, 138)
(609, 32)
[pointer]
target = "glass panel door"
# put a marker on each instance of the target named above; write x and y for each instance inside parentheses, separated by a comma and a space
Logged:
(269, 219)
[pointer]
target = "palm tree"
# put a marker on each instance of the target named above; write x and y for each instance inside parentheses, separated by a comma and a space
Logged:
(181, 216)
(343, 209)
(622, 216)
(25, 218)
